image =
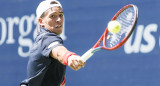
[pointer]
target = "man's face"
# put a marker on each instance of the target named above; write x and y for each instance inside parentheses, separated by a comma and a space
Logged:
(53, 20)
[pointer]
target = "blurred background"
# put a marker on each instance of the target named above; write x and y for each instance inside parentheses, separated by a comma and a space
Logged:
(137, 63)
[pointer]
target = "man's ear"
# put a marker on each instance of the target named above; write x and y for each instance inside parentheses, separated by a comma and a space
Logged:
(40, 20)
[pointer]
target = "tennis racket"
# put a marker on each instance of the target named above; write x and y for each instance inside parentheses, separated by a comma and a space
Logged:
(127, 17)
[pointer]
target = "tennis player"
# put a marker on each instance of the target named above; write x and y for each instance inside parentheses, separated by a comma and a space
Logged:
(48, 58)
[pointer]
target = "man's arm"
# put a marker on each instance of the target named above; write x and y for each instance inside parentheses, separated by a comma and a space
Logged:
(73, 60)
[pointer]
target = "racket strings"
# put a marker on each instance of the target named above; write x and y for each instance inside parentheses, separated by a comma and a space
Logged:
(126, 19)
(114, 40)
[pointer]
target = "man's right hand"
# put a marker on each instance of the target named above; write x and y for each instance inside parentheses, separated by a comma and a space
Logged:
(75, 62)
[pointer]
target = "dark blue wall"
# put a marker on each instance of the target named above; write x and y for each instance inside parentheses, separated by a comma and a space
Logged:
(135, 64)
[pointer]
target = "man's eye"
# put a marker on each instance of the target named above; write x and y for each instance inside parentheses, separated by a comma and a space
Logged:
(52, 16)
(61, 15)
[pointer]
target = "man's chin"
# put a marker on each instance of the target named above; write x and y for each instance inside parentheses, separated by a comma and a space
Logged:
(58, 33)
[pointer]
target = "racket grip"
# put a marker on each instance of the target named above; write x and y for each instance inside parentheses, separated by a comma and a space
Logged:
(86, 55)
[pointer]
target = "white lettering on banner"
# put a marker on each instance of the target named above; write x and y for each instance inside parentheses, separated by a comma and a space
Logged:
(25, 42)
(11, 22)
(149, 38)
(3, 31)
(142, 33)
(25, 26)
(128, 48)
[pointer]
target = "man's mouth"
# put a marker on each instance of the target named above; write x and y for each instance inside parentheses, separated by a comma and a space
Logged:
(58, 26)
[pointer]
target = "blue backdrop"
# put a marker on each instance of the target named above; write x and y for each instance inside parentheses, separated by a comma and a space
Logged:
(137, 63)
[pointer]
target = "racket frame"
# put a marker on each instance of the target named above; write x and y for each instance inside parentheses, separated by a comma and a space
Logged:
(104, 35)
(97, 46)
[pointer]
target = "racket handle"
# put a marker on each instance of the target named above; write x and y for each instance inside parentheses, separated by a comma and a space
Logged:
(86, 55)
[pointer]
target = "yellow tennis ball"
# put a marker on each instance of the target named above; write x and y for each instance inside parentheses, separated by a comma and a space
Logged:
(114, 26)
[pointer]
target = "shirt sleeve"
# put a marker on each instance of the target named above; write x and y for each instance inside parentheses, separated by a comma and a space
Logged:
(50, 41)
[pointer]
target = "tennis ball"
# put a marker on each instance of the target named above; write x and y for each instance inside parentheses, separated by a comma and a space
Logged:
(114, 26)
